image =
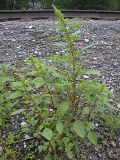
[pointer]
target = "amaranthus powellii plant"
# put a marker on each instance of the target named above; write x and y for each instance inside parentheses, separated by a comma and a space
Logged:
(58, 104)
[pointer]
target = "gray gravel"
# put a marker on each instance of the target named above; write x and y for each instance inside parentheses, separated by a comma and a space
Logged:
(18, 39)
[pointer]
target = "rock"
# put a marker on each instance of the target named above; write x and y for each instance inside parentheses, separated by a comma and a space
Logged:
(27, 137)
(99, 155)
(24, 144)
(13, 40)
(95, 58)
(118, 105)
(112, 90)
(86, 40)
(51, 110)
(23, 123)
(30, 27)
(96, 124)
(86, 77)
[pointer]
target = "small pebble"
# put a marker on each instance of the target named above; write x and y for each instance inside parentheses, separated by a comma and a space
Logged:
(86, 40)
(85, 76)
(27, 137)
(96, 124)
(23, 123)
(118, 105)
(30, 27)
(25, 145)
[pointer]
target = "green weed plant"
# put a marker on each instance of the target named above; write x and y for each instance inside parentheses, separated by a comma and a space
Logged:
(58, 104)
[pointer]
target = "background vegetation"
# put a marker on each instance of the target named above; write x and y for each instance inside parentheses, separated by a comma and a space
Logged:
(65, 4)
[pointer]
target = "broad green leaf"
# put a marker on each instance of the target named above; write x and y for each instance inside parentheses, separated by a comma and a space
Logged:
(62, 85)
(17, 85)
(66, 140)
(3, 80)
(79, 128)
(47, 133)
(68, 150)
(29, 88)
(10, 139)
(62, 108)
(59, 127)
(15, 95)
(70, 154)
(92, 137)
(100, 108)
(51, 70)
(86, 110)
(33, 121)
(38, 82)
(48, 157)
(90, 126)
(18, 111)
(33, 73)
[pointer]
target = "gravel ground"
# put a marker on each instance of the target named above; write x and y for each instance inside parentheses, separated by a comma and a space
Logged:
(18, 39)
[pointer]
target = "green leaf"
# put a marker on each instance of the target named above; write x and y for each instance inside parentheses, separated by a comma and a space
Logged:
(76, 26)
(15, 95)
(38, 82)
(10, 139)
(59, 127)
(92, 137)
(66, 140)
(3, 80)
(18, 111)
(79, 128)
(68, 150)
(33, 121)
(76, 33)
(48, 157)
(47, 133)
(86, 110)
(62, 108)
(90, 126)
(70, 154)
(16, 85)
(100, 108)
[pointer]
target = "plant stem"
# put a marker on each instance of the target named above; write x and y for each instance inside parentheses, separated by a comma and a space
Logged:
(51, 97)
(95, 101)
(73, 72)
